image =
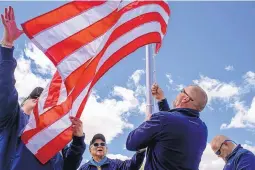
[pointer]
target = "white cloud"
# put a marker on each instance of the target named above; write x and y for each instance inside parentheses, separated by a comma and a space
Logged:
(210, 161)
(140, 90)
(248, 142)
(251, 111)
(136, 76)
(107, 116)
(249, 78)
(26, 80)
(216, 89)
(117, 156)
(229, 68)
(43, 64)
(244, 117)
(169, 77)
(249, 147)
(127, 95)
(179, 87)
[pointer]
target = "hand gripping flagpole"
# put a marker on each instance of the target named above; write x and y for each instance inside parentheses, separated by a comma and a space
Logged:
(149, 78)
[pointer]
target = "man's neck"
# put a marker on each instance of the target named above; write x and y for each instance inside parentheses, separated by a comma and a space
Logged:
(98, 159)
(232, 149)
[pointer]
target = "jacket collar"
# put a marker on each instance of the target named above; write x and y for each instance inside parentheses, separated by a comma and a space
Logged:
(234, 152)
(187, 112)
(106, 161)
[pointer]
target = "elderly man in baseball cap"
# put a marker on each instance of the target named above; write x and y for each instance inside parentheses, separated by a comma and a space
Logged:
(98, 150)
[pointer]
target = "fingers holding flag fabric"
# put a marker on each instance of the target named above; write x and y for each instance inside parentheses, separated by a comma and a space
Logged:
(77, 126)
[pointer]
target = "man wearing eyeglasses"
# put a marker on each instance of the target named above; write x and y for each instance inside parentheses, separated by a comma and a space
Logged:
(99, 161)
(14, 155)
(235, 156)
(175, 138)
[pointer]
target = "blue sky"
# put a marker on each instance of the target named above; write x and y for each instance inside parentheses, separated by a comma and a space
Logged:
(208, 43)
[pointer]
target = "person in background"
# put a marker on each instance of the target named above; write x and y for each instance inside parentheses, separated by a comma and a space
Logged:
(235, 156)
(99, 161)
(175, 139)
(14, 155)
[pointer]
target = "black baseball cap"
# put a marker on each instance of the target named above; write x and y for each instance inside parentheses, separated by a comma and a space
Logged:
(97, 136)
(34, 94)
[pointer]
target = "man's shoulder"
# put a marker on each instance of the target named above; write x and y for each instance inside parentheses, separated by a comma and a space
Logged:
(167, 114)
(114, 161)
(245, 153)
(85, 166)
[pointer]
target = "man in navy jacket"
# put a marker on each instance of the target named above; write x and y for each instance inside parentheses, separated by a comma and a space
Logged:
(14, 155)
(100, 161)
(235, 156)
(175, 139)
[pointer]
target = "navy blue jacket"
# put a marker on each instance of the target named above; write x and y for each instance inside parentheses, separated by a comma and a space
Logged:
(14, 155)
(115, 164)
(240, 159)
(175, 140)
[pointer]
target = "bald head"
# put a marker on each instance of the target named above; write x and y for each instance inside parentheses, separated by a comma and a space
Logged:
(217, 141)
(222, 146)
(198, 95)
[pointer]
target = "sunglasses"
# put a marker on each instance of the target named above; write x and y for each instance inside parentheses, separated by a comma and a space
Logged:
(184, 92)
(218, 152)
(98, 144)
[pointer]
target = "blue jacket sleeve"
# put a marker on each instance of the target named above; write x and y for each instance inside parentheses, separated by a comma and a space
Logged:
(133, 164)
(246, 162)
(9, 106)
(147, 132)
(73, 154)
(163, 105)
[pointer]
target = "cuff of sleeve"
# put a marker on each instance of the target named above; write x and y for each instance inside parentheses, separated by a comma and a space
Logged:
(79, 140)
(162, 101)
(6, 53)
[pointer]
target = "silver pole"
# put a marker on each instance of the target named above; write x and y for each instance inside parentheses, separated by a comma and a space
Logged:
(149, 78)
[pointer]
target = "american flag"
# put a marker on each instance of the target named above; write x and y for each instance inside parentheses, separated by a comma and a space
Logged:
(84, 39)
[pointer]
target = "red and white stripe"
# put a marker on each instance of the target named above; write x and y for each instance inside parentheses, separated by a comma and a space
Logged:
(84, 39)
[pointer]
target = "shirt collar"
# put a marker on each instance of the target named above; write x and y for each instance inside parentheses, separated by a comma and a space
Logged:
(187, 112)
(100, 163)
(233, 152)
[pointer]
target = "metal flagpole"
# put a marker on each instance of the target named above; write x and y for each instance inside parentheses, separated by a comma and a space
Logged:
(149, 78)
(154, 79)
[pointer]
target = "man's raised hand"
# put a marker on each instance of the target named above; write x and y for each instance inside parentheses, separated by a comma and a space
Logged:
(157, 92)
(11, 31)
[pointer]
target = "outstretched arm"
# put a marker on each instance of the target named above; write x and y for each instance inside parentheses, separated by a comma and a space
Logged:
(73, 154)
(163, 105)
(133, 164)
(145, 134)
(9, 106)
